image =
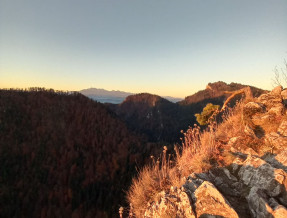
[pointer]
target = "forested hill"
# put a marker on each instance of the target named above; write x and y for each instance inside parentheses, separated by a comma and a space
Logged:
(161, 120)
(62, 155)
(151, 115)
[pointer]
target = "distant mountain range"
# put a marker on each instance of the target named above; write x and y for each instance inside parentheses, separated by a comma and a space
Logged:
(114, 96)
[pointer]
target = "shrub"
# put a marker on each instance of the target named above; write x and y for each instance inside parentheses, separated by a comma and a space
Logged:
(204, 117)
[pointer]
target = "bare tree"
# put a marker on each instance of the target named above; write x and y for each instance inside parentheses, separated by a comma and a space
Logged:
(279, 75)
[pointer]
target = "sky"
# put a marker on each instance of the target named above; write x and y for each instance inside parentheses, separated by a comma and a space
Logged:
(164, 47)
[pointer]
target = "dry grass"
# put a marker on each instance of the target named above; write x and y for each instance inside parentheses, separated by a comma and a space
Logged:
(200, 151)
(151, 180)
(142, 190)
(232, 124)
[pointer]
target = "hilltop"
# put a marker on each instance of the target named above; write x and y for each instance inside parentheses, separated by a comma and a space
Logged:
(217, 90)
(150, 115)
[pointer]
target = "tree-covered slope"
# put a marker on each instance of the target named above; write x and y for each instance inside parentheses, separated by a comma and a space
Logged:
(62, 155)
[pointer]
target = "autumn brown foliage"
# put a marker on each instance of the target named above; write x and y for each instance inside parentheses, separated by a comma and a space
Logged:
(152, 116)
(62, 155)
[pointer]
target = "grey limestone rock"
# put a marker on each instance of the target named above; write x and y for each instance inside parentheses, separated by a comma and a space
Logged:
(211, 202)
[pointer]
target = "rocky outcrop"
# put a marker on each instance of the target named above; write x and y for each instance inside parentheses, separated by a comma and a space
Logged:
(218, 90)
(250, 187)
(263, 206)
(255, 172)
(254, 185)
(210, 202)
(272, 99)
(284, 96)
(174, 203)
(266, 108)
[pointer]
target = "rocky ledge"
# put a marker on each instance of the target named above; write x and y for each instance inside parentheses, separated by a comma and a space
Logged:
(254, 185)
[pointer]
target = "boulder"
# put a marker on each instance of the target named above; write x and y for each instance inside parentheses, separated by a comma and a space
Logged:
(284, 96)
(282, 130)
(237, 145)
(252, 108)
(175, 204)
(277, 110)
(248, 130)
(224, 181)
(257, 201)
(281, 158)
(236, 164)
(194, 181)
(256, 172)
(276, 140)
(210, 202)
(258, 119)
(262, 206)
(277, 160)
(270, 100)
(277, 90)
(280, 212)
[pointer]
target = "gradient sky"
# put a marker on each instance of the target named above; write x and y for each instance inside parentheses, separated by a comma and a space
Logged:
(164, 47)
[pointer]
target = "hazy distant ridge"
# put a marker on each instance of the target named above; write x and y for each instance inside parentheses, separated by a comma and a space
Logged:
(114, 96)
(105, 93)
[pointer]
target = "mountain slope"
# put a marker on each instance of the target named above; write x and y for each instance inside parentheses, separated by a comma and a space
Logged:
(237, 168)
(217, 90)
(162, 121)
(62, 155)
(151, 115)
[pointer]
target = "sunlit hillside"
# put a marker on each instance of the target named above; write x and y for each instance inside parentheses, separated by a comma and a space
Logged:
(233, 168)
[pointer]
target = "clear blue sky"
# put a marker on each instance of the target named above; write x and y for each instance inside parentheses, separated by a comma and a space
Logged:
(164, 47)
